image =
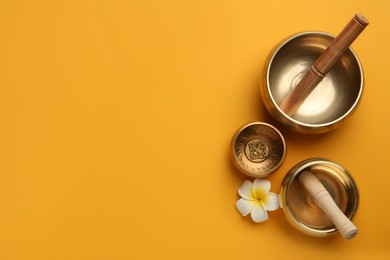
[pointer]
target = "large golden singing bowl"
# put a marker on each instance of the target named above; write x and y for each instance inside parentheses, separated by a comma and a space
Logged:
(333, 100)
(300, 209)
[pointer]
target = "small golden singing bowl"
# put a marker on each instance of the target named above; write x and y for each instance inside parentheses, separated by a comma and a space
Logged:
(258, 149)
(300, 209)
(332, 101)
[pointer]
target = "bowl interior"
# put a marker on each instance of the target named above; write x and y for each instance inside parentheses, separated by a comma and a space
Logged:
(258, 149)
(305, 212)
(335, 95)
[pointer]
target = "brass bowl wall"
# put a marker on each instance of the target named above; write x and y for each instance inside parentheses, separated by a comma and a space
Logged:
(331, 103)
(299, 208)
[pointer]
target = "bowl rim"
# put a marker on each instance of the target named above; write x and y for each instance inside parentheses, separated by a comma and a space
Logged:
(291, 119)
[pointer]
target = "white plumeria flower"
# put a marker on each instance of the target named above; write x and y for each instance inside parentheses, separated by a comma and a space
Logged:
(256, 199)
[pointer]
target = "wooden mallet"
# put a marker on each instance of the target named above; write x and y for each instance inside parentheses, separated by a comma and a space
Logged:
(323, 64)
(323, 199)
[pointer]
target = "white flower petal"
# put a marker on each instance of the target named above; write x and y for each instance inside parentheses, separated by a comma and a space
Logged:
(245, 206)
(260, 188)
(245, 190)
(270, 201)
(259, 214)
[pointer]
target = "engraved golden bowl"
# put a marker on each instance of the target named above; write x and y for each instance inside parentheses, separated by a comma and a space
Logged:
(300, 209)
(258, 149)
(334, 99)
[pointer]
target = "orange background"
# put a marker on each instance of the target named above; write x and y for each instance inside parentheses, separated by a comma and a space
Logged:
(116, 119)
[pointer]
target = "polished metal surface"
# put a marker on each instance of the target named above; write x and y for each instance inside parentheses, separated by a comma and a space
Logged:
(300, 209)
(333, 100)
(258, 149)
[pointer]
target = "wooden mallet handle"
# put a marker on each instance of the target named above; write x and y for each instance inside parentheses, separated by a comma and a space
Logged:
(323, 64)
(323, 199)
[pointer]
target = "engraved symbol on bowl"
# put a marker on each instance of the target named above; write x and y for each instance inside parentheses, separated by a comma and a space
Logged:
(256, 150)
